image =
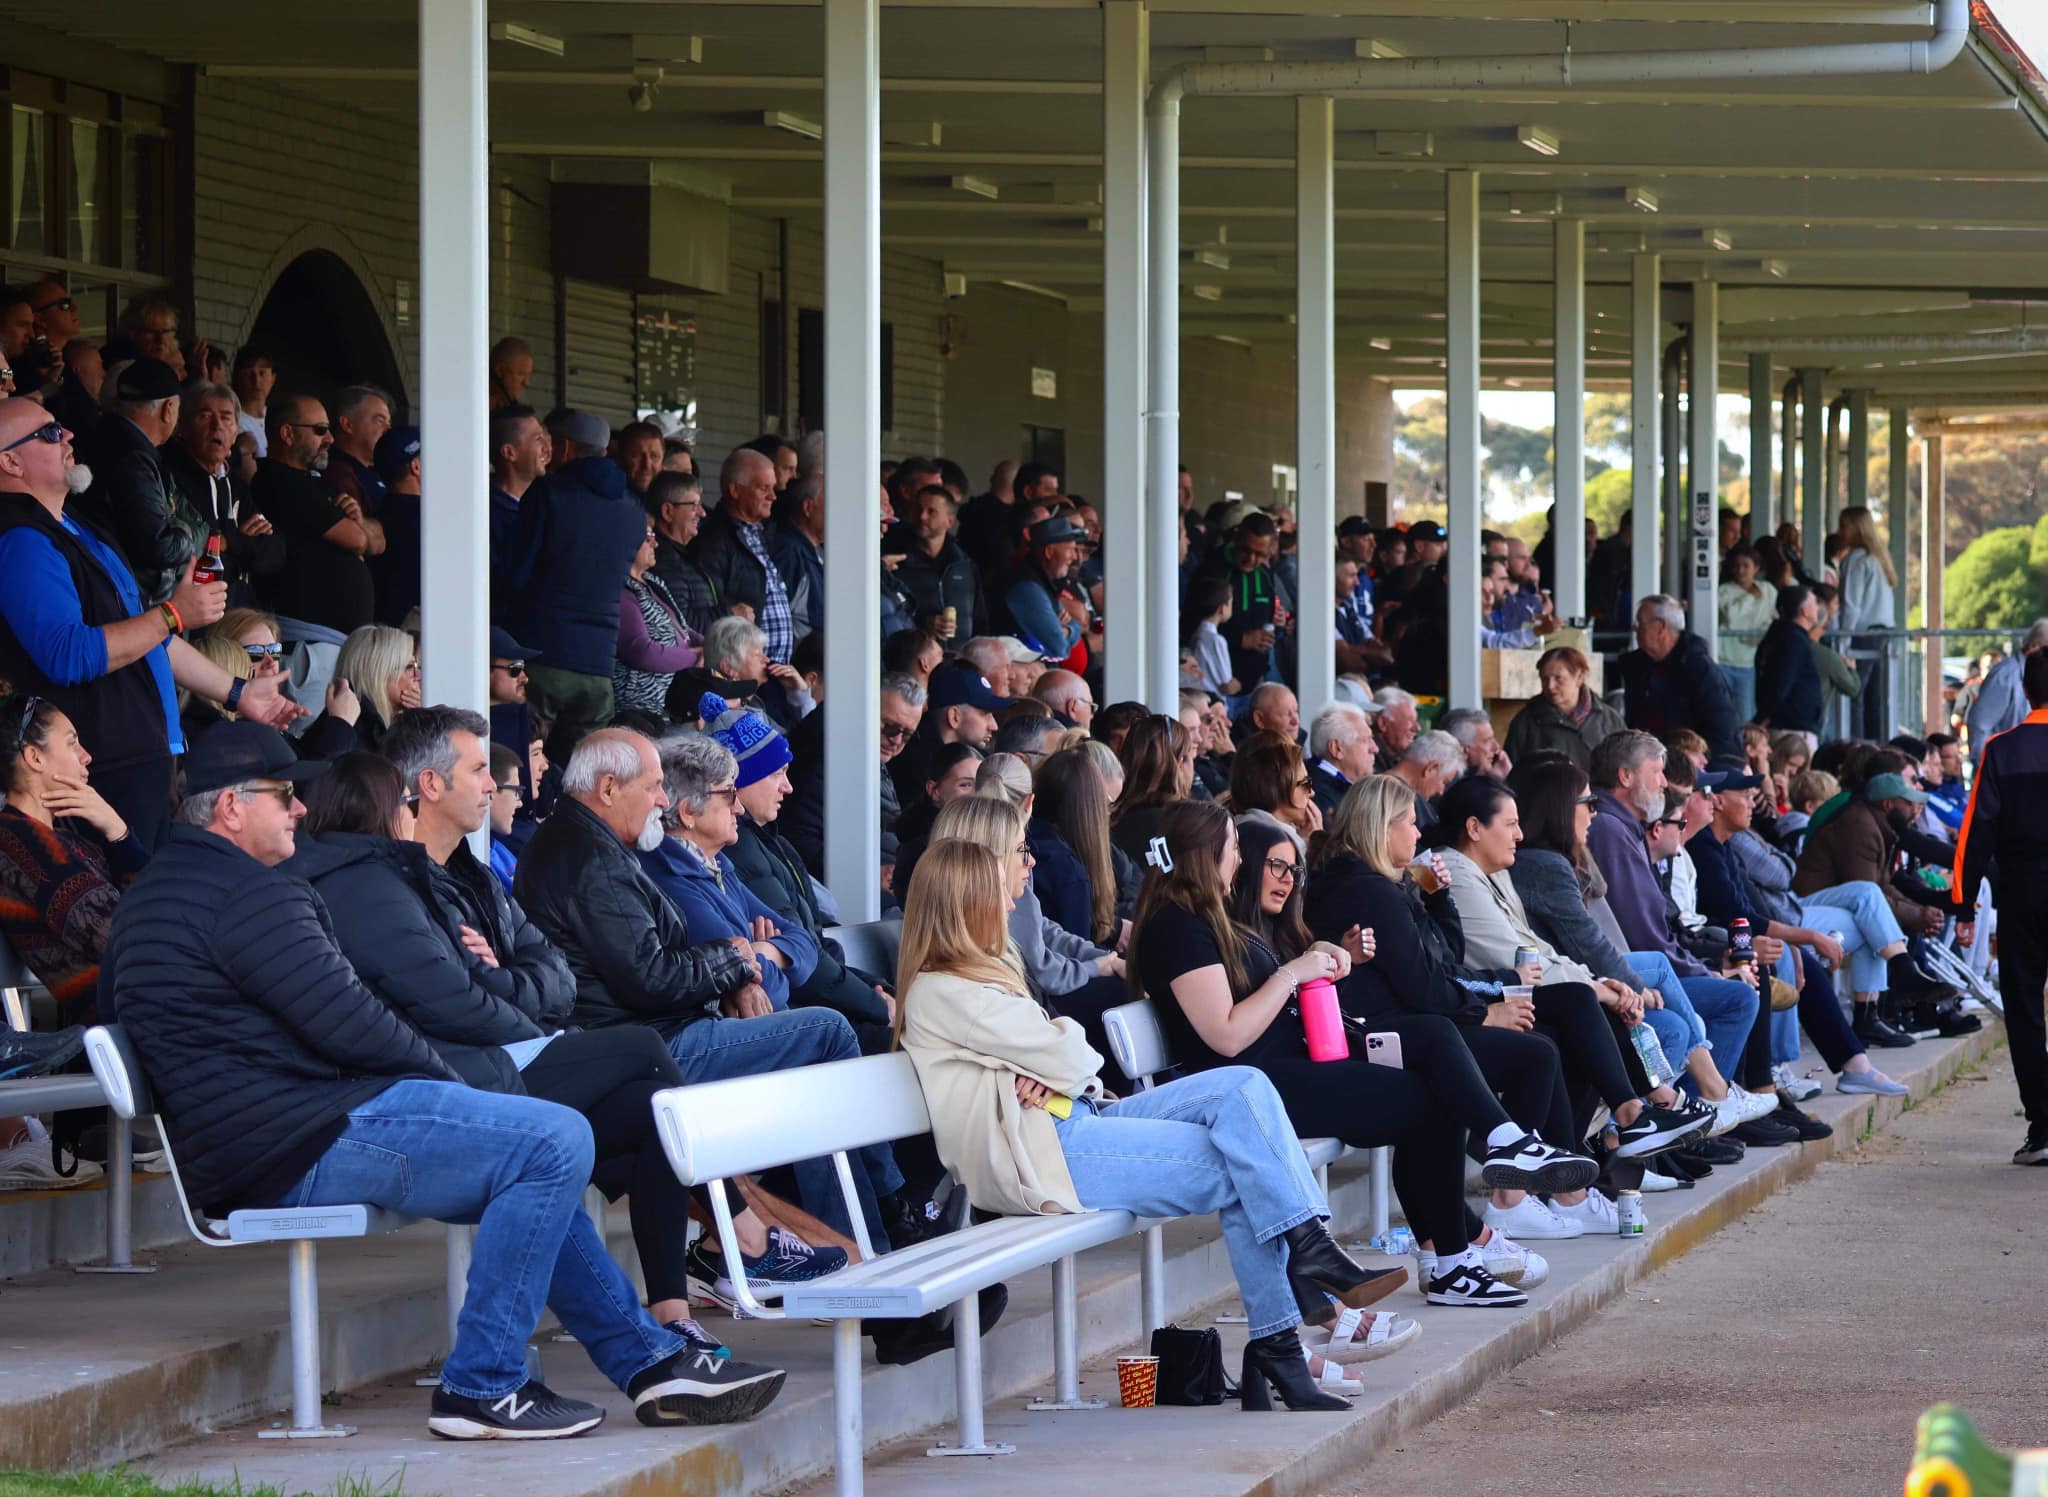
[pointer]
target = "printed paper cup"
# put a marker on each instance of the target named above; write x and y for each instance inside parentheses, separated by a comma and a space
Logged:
(1137, 1380)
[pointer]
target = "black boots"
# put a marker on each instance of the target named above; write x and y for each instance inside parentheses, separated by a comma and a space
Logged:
(1317, 1268)
(1870, 1028)
(1276, 1360)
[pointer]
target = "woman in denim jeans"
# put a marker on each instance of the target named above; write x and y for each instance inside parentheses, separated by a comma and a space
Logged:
(1018, 1110)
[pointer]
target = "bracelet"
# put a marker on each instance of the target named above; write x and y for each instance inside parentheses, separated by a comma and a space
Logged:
(233, 701)
(172, 620)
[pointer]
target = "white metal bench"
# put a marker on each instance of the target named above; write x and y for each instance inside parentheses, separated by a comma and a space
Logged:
(715, 1131)
(1139, 1045)
(870, 947)
(127, 1091)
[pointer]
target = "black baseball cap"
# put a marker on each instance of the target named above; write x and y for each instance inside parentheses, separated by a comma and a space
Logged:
(1728, 774)
(1054, 529)
(505, 647)
(233, 753)
(145, 379)
(1425, 530)
(964, 686)
(1352, 525)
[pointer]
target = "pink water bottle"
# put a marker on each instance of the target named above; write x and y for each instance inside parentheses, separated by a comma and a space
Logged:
(1322, 1022)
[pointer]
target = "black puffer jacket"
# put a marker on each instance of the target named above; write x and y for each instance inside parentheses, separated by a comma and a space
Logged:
(531, 974)
(253, 1029)
(627, 945)
(770, 867)
(1420, 943)
(376, 890)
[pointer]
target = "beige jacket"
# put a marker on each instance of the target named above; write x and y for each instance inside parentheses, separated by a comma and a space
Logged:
(1495, 923)
(970, 1042)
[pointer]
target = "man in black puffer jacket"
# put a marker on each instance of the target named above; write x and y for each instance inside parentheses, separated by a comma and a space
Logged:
(281, 1080)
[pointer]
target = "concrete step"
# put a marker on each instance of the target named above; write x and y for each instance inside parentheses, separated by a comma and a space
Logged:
(50, 1228)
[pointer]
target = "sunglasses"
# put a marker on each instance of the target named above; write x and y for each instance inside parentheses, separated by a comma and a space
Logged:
(50, 431)
(285, 794)
(61, 304)
(892, 731)
(1677, 821)
(1585, 800)
(410, 800)
(317, 428)
(263, 652)
(1284, 868)
(510, 667)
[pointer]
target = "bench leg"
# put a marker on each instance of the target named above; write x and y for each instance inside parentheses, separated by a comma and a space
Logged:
(455, 1246)
(305, 1302)
(1066, 1347)
(1152, 1276)
(1382, 1188)
(967, 1377)
(120, 1201)
(846, 1436)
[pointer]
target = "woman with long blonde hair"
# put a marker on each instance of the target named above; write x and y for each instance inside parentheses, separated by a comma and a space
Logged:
(1019, 1112)
(382, 666)
(1867, 581)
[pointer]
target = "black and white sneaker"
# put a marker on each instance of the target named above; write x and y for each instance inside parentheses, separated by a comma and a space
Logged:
(1658, 1128)
(1458, 1282)
(2035, 1149)
(531, 1412)
(1531, 1164)
(696, 1386)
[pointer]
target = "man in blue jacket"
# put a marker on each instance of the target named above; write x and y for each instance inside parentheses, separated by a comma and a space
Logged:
(1051, 618)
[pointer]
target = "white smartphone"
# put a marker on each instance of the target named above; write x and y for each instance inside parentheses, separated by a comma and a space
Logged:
(1383, 1048)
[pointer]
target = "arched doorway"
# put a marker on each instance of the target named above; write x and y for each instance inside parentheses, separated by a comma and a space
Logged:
(322, 331)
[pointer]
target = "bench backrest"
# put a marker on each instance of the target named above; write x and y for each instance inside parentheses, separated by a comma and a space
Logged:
(718, 1129)
(121, 1077)
(1136, 1040)
(871, 947)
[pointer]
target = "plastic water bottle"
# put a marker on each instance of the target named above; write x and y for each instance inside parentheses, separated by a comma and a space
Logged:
(1651, 1051)
(1322, 1022)
(1741, 947)
(1395, 1242)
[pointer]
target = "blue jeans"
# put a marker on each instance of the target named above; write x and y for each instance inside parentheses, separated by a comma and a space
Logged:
(1728, 1009)
(1677, 1023)
(1857, 915)
(1741, 681)
(719, 1049)
(516, 1167)
(1215, 1141)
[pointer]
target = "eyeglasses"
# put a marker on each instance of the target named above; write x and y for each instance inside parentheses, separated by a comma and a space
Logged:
(412, 668)
(61, 304)
(510, 667)
(1024, 852)
(263, 652)
(893, 731)
(285, 794)
(410, 800)
(50, 431)
(30, 705)
(512, 790)
(1677, 821)
(317, 428)
(730, 794)
(1305, 783)
(1585, 800)
(1284, 868)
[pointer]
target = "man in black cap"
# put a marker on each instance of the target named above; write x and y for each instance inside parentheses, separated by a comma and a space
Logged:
(395, 571)
(132, 500)
(1047, 615)
(325, 578)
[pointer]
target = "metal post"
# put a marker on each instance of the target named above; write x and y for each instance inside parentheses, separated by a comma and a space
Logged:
(1762, 491)
(1788, 453)
(120, 1177)
(1898, 487)
(1162, 403)
(304, 1298)
(847, 1445)
(1813, 520)
(967, 1386)
(1704, 579)
(1382, 1188)
(1066, 1346)
(1315, 372)
(1675, 526)
(1152, 1276)
(1461, 390)
(1126, 55)
(853, 451)
(455, 340)
(1646, 340)
(1856, 461)
(1568, 422)
(1831, 465)
(1933, 540)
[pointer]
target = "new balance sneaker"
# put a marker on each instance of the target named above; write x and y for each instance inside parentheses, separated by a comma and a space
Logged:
(1471, 1284)
(1531, 1164)
(1870, 1083)
(1791, 1084)
(531, 1412)
(2035, 1149)
(696, 1386)
(24, 1053)
(1805, 1124)
(1657, 1128)
(788, 1260)
(1740, 1107)
(700, 1339)
(1529, 1218)
(1595, 1215)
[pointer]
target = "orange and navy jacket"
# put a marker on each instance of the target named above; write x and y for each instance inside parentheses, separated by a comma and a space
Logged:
(2007, 817)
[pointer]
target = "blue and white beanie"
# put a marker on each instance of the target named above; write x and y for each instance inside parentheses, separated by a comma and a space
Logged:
(752, 740)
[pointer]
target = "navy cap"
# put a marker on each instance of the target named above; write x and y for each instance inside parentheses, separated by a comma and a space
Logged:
(1425, 530)
(1352, 525)
(396, 450)
(231, 753)
(963, 686)
(145, 379)
(505, 647)
(1728, 775)
(1054, 529)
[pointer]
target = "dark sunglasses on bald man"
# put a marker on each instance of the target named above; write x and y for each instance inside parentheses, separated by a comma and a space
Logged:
(50, 431)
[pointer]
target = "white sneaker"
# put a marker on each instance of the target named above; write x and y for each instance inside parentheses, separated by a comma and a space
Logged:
(1654, 1183)
(1530, 1219)
(1791, 1084)
(1594, 1215)
(1510, 1262)
(1740, 1107)
(1466, 1283)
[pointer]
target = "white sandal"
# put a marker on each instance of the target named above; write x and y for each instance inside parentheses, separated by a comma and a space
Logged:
(1363, 1336)
(1329, 1376)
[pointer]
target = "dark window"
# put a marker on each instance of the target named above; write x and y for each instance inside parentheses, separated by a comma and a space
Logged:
(810, 370)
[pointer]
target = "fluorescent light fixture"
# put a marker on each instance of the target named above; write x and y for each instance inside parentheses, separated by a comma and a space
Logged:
(1214, 259)
(913, 133)
(1384, 345)
(1418, 143)
(1719, 239)
(979, 186)
(1543, 142)
(527, 36)
(1777, 270)
(1232, 338)
(1207, 293)
(1377, 47)
(1535, 204)
(795, 124)
(1640, 198)
(956, 284)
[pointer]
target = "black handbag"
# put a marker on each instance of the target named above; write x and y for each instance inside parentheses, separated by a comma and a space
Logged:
(1191, 1366)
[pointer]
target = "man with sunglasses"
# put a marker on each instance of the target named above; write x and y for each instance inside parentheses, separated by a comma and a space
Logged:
(74, 629)
(325, 578)
(56, 313)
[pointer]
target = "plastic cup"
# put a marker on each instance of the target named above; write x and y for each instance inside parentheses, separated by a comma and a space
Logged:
(1137, 1381)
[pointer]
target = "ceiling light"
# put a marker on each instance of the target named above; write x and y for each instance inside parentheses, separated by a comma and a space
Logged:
(1777, 270)
(1640, 198)
(1535, 204)
(1206, 293)
(1543, 142)
(1377, 47)
(1384, 345)
(1214, 259)
(527, 36)
(956, 284)
(1403, 143)
(795, 124)
(1719, 239)
(913, 133)
(980, 187)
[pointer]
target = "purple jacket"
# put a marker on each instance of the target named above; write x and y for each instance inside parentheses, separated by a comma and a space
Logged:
(1616, 841)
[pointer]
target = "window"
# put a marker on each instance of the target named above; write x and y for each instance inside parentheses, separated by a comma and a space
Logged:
(810, 370)
(143, 200)
(86, 196)
(27, 180)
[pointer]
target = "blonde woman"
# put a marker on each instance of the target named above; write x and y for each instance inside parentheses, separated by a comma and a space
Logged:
(381, 665)
(245, 643)
(1018, 1109)
(1867, 583)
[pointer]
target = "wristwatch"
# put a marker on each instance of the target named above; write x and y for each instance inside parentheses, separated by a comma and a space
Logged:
(233, 700)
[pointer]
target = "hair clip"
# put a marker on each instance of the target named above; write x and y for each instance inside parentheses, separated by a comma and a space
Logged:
(1158, 857)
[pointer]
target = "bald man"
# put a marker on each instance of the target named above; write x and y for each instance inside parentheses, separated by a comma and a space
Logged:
(732, 550)
(74, 631)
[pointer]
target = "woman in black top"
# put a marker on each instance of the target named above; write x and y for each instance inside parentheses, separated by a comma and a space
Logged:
(1224, 997)
(1159, 771)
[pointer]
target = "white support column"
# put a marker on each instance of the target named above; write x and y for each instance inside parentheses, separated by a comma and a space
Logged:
(1856, 461)
(1898, 488)
(1315, 234)
(853, 452)
(455, 340)
(1126, 57)
(1461, 412)
(1703, 557)
(1813, 432)
(1763, 491)
(1568, 422)
(1933, 550)
(1162, 403)
(1645, 421)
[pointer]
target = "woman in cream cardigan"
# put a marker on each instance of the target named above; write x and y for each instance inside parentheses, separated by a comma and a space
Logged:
(1018, 1111)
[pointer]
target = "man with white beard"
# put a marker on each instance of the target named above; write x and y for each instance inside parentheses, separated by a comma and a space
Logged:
(74, 631)
(635, 963)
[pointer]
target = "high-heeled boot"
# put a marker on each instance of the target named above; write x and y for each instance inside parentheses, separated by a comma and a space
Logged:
(1315, 1262)
(1276, 1360)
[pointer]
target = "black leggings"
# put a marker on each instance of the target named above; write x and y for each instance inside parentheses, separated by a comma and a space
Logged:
(1599, 1064)
(1434, 1048)
(611, 1076)
(1528, 1073)
(1367, 1105)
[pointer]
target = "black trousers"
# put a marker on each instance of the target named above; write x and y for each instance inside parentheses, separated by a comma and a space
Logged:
(142, 794)
(1820, 1015)
(1367, 1105)
(611, 1076)
(2022, 971)
(1600, 1065)
(1434, 1048)
(1527, 1072)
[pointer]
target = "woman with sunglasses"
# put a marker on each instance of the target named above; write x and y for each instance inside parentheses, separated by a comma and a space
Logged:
(244, 644)
(65, 854)
(1268, 774)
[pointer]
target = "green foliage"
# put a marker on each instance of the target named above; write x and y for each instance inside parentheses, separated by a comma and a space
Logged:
(1997, 583)
(124, 1482)
(1607, 497)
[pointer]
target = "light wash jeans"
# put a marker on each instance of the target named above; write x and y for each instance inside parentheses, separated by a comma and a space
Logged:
(1856, 914)
(1677, 1025)
(1215, 1141)
(719, 1049)
(517, 1167)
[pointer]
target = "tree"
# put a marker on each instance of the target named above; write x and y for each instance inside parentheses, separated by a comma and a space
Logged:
(1996, 583)
(1607, 497)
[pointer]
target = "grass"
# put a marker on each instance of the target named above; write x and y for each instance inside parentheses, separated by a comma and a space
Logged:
(126, 1483)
